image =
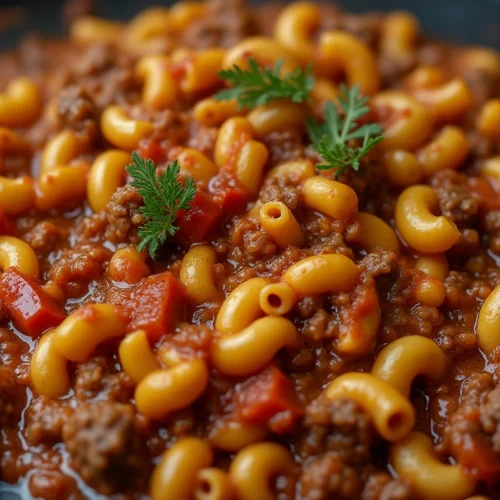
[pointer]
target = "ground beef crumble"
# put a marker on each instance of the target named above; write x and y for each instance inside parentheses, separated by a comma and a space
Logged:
(105, 446)
(124, 216)
(473, 433)
(338, 443)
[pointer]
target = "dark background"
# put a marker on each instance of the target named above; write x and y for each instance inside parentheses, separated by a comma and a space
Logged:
(466, 21)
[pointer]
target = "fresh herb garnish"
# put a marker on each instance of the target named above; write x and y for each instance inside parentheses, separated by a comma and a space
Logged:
(333, 139)
(163, 196)
(258, 86)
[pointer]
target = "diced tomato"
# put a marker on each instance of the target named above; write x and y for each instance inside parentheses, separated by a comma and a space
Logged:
(152, 150)
(31, 309)
(228, 193)
(477, 457)
(232, 201)
(199, 221)
(268, 398)
(6, 227)
(156, 304)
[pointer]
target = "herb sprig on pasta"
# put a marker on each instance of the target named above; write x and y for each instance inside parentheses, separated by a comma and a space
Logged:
(163, 196)
(335, 140)
(257, 86)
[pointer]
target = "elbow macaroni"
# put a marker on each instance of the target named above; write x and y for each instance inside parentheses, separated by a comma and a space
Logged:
(419, 227)
(413, 460)
(392, 414)
(404, 359)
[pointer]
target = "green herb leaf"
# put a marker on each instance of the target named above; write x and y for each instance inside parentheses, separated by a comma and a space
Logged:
(258, 86)
(333, 139)
(163, 195)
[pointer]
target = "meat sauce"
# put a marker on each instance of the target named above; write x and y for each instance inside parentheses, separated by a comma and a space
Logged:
(92, 442)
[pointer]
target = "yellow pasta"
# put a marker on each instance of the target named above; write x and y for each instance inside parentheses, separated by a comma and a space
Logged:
(322, 274)
(488, 323)
(413, 460)
(48, 369)
(417, 224)
(80, 333)
(197, 275)
(374, 234)
(20, 104)
(122, 131)
(176, 473)
(253, 468)
(343, 51)
(392, 414)
(136, 357)
(167, 390)
(279, 222)
(330, 198)
(17, 253)
(241, 307)
(404, 359)
(254, 347)
(277, 298)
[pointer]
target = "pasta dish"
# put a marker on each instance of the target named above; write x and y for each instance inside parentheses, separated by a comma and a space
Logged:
(249, 254)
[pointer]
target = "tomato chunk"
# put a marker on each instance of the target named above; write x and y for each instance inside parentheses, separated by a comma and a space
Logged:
(268, 398)
(228, 193)
(199, 221)
(31, 309)
(156, 304)
(6, 227)
(150, 149)
(476, 456)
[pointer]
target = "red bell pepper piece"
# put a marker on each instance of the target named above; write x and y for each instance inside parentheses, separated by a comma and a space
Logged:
(268, 398)
(156, 304)
(31, 309)
(199, 221)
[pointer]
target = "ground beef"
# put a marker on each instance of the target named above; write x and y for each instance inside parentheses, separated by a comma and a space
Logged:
(202, 138)
(105, 446)
(43, 237)
(8, 395)
(251, 243)
(455, 201)
(381, 486)
(338, 447)
(78, 266)
(97, 378)
(491, 224)
(190, 341)
(226, 23)
(339, 426)
(484, 84)
(328, 476)
(45, 418)
(380, 263)
(279, 189)
(284, 145)
(76, 111)
(106, 74)
(473, 433)
(124, 216)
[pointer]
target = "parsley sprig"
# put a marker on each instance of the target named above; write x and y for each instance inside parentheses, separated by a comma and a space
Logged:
(163, 196)
(258, 86)
(333, 140)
